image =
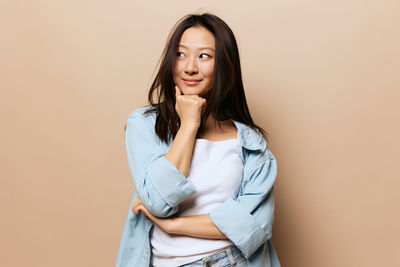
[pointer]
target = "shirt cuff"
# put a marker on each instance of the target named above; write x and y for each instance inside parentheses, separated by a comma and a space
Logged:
(170, 183)
(239, 226)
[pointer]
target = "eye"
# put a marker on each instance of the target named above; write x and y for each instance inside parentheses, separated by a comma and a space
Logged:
(178, 53)
(206, 55)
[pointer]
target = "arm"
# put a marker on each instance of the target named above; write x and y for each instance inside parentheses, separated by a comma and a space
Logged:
(160, 185)
(180, 153)
(196, 225)
(247, 221)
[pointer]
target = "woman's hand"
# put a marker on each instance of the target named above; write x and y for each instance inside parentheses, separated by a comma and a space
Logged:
(190, 108)
(166, 224)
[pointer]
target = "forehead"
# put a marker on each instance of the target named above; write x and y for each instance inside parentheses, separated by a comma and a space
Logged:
(197, 37)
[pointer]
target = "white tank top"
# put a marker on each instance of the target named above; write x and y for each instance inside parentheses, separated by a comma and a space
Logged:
(216, 172)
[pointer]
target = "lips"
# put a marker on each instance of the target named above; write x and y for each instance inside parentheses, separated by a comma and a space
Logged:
(191, 81)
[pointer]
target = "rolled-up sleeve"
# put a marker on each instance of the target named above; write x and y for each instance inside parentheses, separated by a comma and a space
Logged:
(160, 185)
(247, 221)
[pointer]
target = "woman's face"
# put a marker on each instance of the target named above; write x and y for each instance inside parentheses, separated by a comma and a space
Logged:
(194, 67)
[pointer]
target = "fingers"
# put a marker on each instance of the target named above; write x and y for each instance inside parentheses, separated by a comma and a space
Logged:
(138, 208)
(142, 208)
(136, 204)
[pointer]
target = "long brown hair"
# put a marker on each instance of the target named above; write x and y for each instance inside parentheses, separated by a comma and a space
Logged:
(226, 98)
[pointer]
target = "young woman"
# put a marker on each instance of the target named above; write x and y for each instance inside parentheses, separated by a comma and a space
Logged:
(203, 173)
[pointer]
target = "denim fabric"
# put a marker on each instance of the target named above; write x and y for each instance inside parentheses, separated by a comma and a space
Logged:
(246, 220)
(230, 256)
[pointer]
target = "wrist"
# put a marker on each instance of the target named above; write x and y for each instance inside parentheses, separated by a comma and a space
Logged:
(190, 126)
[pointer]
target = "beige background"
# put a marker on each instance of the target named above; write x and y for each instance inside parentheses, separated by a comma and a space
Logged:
(322, 77)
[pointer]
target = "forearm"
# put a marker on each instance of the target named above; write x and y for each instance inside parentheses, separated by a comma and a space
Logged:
(197, 226)
(180, 153)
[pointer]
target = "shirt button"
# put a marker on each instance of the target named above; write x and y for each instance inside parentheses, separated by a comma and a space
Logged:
(146, 251)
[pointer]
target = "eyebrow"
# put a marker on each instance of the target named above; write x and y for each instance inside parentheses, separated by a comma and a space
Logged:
(200, 48)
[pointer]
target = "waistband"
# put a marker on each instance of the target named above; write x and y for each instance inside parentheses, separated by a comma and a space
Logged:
(232, 252)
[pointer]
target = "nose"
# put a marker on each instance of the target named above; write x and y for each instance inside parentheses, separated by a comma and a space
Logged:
(191, 65)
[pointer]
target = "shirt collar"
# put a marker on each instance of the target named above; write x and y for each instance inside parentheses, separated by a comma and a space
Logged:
(249, 138)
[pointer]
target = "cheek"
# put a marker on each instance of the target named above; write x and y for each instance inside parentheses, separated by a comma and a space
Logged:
(208, 70)
(179, 66)
(178, 69)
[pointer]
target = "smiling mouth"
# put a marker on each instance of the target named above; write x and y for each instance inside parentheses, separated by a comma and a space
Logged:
(191, 81)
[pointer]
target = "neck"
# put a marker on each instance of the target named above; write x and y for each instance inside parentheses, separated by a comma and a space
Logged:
(211, 124)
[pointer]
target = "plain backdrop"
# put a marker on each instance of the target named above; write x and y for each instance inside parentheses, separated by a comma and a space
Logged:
(322, 77)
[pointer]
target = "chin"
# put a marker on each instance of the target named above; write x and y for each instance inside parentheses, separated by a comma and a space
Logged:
(192, 91)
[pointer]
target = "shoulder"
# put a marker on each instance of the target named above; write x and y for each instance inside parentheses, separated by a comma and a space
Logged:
(141, 120)
(144, 115)
(140, 125)
(140, 112)
(258, 152)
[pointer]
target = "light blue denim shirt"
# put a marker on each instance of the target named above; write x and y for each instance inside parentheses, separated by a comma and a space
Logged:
(246, 221)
